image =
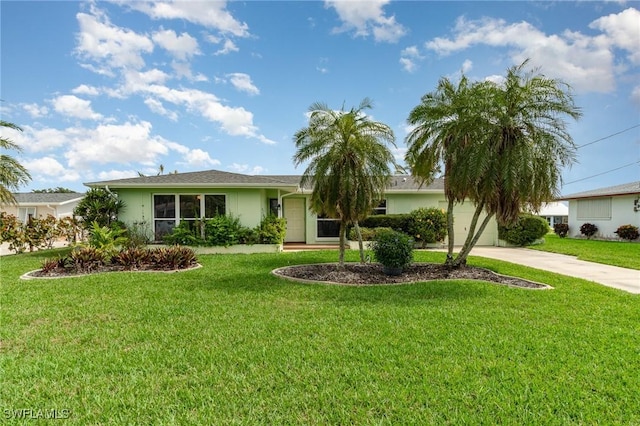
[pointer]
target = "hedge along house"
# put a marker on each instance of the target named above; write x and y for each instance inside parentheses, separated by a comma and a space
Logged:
(607, 208)
(40, 205)
(163, 201)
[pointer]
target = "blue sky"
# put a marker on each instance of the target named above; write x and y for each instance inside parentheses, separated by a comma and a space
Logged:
(104, 90)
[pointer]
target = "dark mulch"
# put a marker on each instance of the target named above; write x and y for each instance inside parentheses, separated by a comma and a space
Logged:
(370, 274)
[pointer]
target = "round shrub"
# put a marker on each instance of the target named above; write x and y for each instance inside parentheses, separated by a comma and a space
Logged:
(527, 229)
(561, 229)
(588, 229)
(428, 225)
(393, 249)
(628, 232)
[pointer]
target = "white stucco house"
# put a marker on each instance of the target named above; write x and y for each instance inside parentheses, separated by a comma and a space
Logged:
(32, 204)
(607, 208)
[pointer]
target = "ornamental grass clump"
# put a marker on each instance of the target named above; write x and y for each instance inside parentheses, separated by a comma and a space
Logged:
(394, 250)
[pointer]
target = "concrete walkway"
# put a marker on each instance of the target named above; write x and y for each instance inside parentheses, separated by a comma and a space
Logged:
(611, 276)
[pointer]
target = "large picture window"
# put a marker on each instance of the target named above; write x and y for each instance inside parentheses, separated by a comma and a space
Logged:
(170, 209)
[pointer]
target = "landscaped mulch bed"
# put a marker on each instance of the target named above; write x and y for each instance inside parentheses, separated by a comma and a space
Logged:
(373, 274)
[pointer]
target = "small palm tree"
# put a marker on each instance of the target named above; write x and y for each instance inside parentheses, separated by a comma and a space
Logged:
(503, 145)
(12, 173)
(349, 164)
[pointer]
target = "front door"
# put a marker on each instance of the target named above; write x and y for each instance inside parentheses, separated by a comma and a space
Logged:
(295, 215)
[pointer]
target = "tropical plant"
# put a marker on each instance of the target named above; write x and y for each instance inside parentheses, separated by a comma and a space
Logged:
(106, 240)
(588, 229)
(98, 205)
(348, 164)
(272, 230)
(223, 230)
(561, 229)
(628, 232)
(393, 249)
(502, 145)
(12, 173)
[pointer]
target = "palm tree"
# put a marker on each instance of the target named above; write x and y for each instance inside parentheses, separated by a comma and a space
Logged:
(506, 147)
(349, 164)
(12, 173)
(444, 125)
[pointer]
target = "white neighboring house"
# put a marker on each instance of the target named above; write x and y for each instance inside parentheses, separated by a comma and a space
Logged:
(607, 208)
(32, 204)
(557, 212)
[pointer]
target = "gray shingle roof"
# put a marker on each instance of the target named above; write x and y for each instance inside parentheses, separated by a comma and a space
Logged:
(220, 178)
(208, 177)
(624, 189)
(46, 198)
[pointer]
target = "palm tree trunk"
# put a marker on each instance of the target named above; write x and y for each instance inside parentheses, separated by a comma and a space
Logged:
(450, 243)
(360, 244)
(343, 231)
(472, 236)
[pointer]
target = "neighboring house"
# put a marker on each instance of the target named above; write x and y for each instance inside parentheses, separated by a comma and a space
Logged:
(32, 204)
(607, 208)
(554, 213)
(163, 201)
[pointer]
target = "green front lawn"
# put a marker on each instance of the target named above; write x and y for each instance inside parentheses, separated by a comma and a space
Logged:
(231, 344)
(617, 253)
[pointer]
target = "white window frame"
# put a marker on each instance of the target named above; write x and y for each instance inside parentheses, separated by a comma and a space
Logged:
(176, 200)
(25, 212)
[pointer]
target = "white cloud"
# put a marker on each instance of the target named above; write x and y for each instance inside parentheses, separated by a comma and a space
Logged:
(408, 58)
(246, 169)
(635, 95)
(181, 46)
(183, 70)
(211, 14)
(367, 18)
(108, 45)
(585, 62)
(84, 89)
(243, 83)
(117, 174)
(46, 168)
(197, 158)
(467, 65)
(227, 47)
(157, 107)
(35, 110)
(74, 107)
(623, 31)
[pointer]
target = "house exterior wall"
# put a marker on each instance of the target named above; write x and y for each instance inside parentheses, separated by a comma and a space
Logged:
(621, 214)
(42, 211)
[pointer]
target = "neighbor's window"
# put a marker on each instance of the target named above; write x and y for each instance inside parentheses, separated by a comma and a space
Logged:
(328, 227)
(170, 209)
(598, 208)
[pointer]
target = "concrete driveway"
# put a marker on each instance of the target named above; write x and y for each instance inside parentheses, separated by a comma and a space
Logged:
(611, 276)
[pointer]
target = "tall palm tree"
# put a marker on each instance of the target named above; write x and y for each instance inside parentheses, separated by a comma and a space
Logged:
(349, 164)
(12, 173)
(510, 145)
(445, 124)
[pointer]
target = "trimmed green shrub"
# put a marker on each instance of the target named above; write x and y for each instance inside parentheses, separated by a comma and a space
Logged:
(588, 229)
(223, 231)
(527, 229)
(393, 249)
(183, 234)
(368, 234)
(628, 232)
(272, 230)
(561, 229)
(428, 225)
(398, 222)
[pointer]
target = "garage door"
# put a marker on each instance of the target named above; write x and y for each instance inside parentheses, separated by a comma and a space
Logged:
(462, 215)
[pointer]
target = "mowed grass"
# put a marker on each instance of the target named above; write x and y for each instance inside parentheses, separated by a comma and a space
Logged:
(231, 344)
(617, 253)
